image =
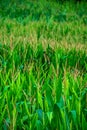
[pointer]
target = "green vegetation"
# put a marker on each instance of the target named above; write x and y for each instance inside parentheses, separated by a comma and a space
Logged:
(43, 65)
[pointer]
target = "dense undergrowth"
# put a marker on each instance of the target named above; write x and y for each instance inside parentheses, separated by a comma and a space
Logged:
(43, 65)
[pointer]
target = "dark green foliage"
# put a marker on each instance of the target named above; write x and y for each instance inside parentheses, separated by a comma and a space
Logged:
(36, 10)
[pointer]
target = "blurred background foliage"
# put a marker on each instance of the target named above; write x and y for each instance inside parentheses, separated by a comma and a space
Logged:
(34, 10)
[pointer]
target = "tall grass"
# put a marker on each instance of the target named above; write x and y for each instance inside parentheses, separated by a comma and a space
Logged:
(43, 66)
(43, 89)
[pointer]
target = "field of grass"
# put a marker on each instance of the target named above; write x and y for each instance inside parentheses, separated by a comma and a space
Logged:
(43, 65)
